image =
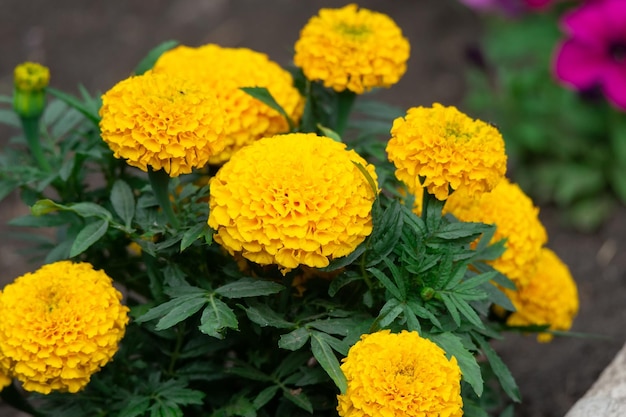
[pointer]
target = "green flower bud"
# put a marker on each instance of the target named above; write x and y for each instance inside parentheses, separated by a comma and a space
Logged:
(427, 293)
(30, 81)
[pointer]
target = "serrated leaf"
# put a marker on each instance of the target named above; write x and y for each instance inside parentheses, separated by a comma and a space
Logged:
(386, 233)
(412, 323)
(340, 282)
(249, 287)
(181, 312)
(123, 201)
(467, 311)
(216, 317)
(89, 235)
(265, 396)
(388, 313)
(327, 359)
(87, 209)
(75, 103)
(329, 133)
(135, 407)
(499, 368)
(475, 281)
(246, 371)
(451, 307)
(295, 339)
(264, 316)
(152, 56)
(299, 398)
(453, 346)
(461, 231)
(264, 96)
(387, 283)
(193, 234)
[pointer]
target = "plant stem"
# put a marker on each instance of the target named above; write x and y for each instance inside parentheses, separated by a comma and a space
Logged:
(159, 180)
(31, 131)
(345, 100)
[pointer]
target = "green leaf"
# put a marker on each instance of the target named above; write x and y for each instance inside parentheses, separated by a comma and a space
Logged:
(249, 287)
(341, 281)
(9, 117)
(329, 133)
(368, 177)
(263, 95)
(453, 346)
(499, 368)
(265, 396)
(7, 187)
(461, 231)
(87, 209)
(89, 235)
(264, 316)
(193, 234)
(467, 311)
(180, 312)
(412, 323)
(67, 168)
(295, 339)
(451, 307)
(148, 62)
(123, 201)
(74, 102)
(390, 311)
(163, 309)
(387, 283)
(299, 398)
(327, 359)
(137, 406)
(387, 232)
(246, 371)
(340, 326)
(216, 317)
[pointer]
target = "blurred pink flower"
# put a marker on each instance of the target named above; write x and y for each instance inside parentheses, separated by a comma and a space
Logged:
(509, 7)
(594, 55)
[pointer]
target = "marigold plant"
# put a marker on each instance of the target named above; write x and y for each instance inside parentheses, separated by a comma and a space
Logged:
(550, 298)
(60, 325)
(163, 122)
(292, 199)
(225, 71)
(517, 221)
(442, 149)
(273, 263)
(351, 48)
(400, 375)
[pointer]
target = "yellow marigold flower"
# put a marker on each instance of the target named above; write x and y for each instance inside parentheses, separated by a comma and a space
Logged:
(31, 76)
(551, 297)
(162, 121)
(400, 375)
(60, 324)
(290, 200)
(516, 219)
(353, 49)
(447, 149)
(225, 71)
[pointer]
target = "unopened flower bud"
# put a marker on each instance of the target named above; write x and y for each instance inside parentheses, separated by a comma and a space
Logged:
(30, 81)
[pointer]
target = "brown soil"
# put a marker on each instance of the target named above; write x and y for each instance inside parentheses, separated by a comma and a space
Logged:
(98, 43)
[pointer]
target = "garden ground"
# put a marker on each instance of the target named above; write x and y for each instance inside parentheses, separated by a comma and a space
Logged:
(98, 43)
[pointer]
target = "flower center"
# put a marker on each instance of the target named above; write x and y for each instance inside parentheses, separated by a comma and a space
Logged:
(355, 31)
(617, 51)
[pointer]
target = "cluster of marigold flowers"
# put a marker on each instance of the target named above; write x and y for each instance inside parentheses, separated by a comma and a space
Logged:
(291, 200)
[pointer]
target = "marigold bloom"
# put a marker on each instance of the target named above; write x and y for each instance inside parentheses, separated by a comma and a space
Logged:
(225, 71)
(60, 324)
(351, 48)
(162, 121)
(551, 297)
(448, 149)
(290, 200)
(516, 219)
(594, 55)
(398, 375)
(31, 76)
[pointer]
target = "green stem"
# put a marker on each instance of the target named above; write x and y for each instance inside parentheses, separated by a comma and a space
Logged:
(159, 180)
(180, 335)
(345, 100)
(31, 131)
